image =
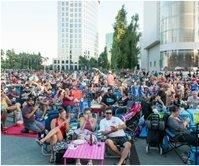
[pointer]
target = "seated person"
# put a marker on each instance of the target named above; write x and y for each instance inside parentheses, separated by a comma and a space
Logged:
(109, 99)
(157, 103)
(193, 100)
(178, 126)
(13, 95)
(87, 125)
(77, 94)
(6, 107)
(59, 127)
(99, 98)
(47, 103)
(68, 100)
(25, 93)
(28, 114)
(113, 128)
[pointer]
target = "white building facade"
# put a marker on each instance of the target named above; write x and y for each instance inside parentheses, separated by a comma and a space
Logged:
(109, 42)
(77, 33)
(170, 35)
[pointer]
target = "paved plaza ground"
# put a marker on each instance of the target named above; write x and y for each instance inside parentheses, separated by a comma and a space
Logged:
(24, 151)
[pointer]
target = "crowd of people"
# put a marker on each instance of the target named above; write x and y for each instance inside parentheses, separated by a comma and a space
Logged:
(28, 93)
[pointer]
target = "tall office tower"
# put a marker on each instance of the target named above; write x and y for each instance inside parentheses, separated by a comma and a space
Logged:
(170, 35)
(109, 42)
(77, 33)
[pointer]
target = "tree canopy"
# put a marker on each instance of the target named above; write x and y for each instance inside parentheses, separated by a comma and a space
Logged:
(125, 50)
(11, 60)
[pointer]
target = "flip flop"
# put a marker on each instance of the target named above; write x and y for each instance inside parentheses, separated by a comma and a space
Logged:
(38, 142)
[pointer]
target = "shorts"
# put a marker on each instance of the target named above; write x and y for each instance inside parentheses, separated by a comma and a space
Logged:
(119, 140)
(34, 126)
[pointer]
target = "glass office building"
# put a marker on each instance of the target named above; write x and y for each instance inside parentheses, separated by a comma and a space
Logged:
(178, 35)
(77, 33)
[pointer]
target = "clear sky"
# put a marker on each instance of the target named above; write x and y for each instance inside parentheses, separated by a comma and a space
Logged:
(31, 26)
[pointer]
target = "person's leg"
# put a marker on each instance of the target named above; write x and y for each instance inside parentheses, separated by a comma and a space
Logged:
(44, 111)
(90, 162)
(3, 118)
(35, 127)
(125, 152)
(40, 126)
(52, 132)
(112, 146)
(53, 141)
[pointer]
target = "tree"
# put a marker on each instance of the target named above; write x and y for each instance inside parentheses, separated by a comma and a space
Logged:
(125, 50)
(11, 58)
(117, 58)
(83, 62)
(133, 38)
(93, 62)
(21, 61)
(103, 60)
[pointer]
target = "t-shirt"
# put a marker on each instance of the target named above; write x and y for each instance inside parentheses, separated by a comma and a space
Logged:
(109, 99)
(194, 102)
(105, 125)
(26, 110)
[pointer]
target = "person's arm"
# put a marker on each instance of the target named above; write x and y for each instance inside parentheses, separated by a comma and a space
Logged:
(43, 102)
(52, 124)
(159, 100)
(103, 101)
(14, 95)
(93, 123)
(8, 101)
(28, 115)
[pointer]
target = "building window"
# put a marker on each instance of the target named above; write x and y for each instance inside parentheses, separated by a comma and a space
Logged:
(55, 61)
(62, 62)
(154, 63)
(150, 64)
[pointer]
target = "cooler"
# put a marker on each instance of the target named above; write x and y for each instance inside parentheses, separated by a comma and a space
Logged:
(194, 113)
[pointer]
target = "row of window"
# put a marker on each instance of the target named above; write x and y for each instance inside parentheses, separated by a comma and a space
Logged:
(66, 67)
(76, 4)
(182, 58)
(64, 62)
(71, 15)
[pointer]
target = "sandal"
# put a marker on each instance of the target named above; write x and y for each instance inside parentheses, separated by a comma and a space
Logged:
(39, 142)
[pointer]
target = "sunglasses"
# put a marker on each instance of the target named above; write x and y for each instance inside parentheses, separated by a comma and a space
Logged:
(108, 112)
(88, 113)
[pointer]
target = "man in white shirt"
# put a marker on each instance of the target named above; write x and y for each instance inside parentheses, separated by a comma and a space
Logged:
(113, 128)
(193, 100)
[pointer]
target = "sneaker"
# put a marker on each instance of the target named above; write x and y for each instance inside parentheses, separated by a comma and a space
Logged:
(25, 130)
